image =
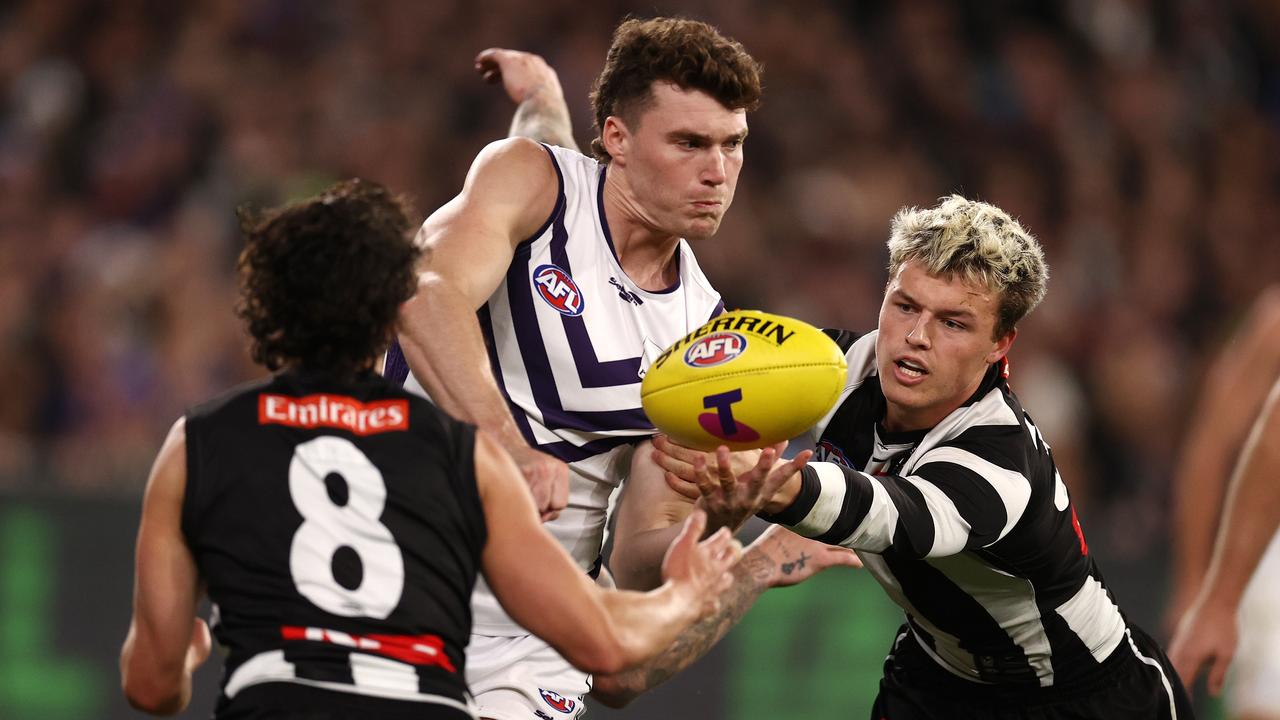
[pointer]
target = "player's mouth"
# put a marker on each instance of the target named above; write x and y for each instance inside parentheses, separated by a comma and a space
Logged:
(909, 371)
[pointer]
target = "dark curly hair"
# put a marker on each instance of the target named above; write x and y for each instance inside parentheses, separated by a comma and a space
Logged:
(322, 280)
(690, 54)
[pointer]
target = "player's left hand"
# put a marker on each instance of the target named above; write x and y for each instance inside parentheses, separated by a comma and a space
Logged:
(522, 74)
(792, 558)
(1207, 635)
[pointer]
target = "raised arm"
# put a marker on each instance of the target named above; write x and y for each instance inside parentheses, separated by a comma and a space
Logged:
(595, 629)
(1251, 517)
(469, 242)
(1229, 401)
(166, 641)
(532, 84)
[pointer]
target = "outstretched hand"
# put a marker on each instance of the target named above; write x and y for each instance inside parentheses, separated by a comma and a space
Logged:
(730, 486)
(791, 558)
(701, 570)
(677, 460)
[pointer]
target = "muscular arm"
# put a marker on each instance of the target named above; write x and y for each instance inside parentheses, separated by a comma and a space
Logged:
(166, 640)
(1229, 401)
(1252, 511)
(469, 244)
(750, 578)
(541, 112)
(777, 558)
(597, 630)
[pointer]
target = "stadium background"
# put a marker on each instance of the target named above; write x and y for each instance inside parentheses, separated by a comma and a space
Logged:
(1139, 140)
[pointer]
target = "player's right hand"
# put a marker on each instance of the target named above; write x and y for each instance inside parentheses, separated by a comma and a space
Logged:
(547, 477)
(1207, 635)
(701, 570)
(729, 493)
(522, 74)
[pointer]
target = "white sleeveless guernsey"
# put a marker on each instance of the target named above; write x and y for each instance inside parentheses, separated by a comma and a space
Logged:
(569, 338)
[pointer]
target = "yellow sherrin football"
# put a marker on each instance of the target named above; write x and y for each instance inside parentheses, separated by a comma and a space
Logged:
(746, 379)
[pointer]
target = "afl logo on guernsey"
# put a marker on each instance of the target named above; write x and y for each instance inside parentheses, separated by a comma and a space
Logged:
(558, 289)
(715, 349)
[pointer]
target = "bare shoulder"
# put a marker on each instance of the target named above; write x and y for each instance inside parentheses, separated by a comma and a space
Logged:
(515, 160)
(169, 475)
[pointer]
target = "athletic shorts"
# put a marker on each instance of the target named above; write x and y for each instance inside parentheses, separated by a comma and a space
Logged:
(523, 678)
(1135, 683)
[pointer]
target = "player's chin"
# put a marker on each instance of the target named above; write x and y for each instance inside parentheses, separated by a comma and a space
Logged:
(702, 227)
(904, 395)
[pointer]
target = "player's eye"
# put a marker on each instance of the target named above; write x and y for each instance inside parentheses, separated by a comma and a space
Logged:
(953, 324)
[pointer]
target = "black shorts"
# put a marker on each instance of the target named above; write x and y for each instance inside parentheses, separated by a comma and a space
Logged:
(293, 701)
(1131, 685)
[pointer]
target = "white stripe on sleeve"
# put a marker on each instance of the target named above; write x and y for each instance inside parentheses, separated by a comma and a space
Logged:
(830, 501)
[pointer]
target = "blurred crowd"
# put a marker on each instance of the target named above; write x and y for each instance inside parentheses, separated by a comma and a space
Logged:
(1138, 140)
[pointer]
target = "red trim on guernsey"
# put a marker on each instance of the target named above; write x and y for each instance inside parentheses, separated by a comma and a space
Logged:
(412, 649)
(1075, 523)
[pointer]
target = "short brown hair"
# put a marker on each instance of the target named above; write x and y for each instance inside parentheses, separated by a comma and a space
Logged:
(322, 280)
(687, 53)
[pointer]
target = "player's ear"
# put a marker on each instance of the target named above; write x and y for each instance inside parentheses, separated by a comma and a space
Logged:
(1001, 346)
(616, 137)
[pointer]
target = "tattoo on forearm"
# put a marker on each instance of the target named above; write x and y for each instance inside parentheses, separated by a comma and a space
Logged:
(544, 120)
(751, 577)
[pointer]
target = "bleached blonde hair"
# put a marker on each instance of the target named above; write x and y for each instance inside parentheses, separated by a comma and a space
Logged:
(978, 242)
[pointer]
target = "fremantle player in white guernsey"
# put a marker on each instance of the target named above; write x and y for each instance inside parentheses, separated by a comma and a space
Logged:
(548, 286)
(930, 469)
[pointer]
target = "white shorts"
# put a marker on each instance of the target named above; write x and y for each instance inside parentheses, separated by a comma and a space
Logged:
(523, 678)
(1253, 686)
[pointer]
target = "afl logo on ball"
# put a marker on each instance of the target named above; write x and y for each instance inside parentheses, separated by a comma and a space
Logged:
(715, 349)
(557, 701)
(558, 289)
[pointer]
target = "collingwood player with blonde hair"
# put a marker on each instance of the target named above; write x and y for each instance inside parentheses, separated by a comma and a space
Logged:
(931, 470)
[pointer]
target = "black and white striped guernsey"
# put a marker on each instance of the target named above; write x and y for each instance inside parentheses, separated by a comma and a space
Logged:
(967, 526)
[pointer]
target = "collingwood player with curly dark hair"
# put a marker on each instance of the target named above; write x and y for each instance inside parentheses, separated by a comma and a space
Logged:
(356, 227)
(338, 522)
